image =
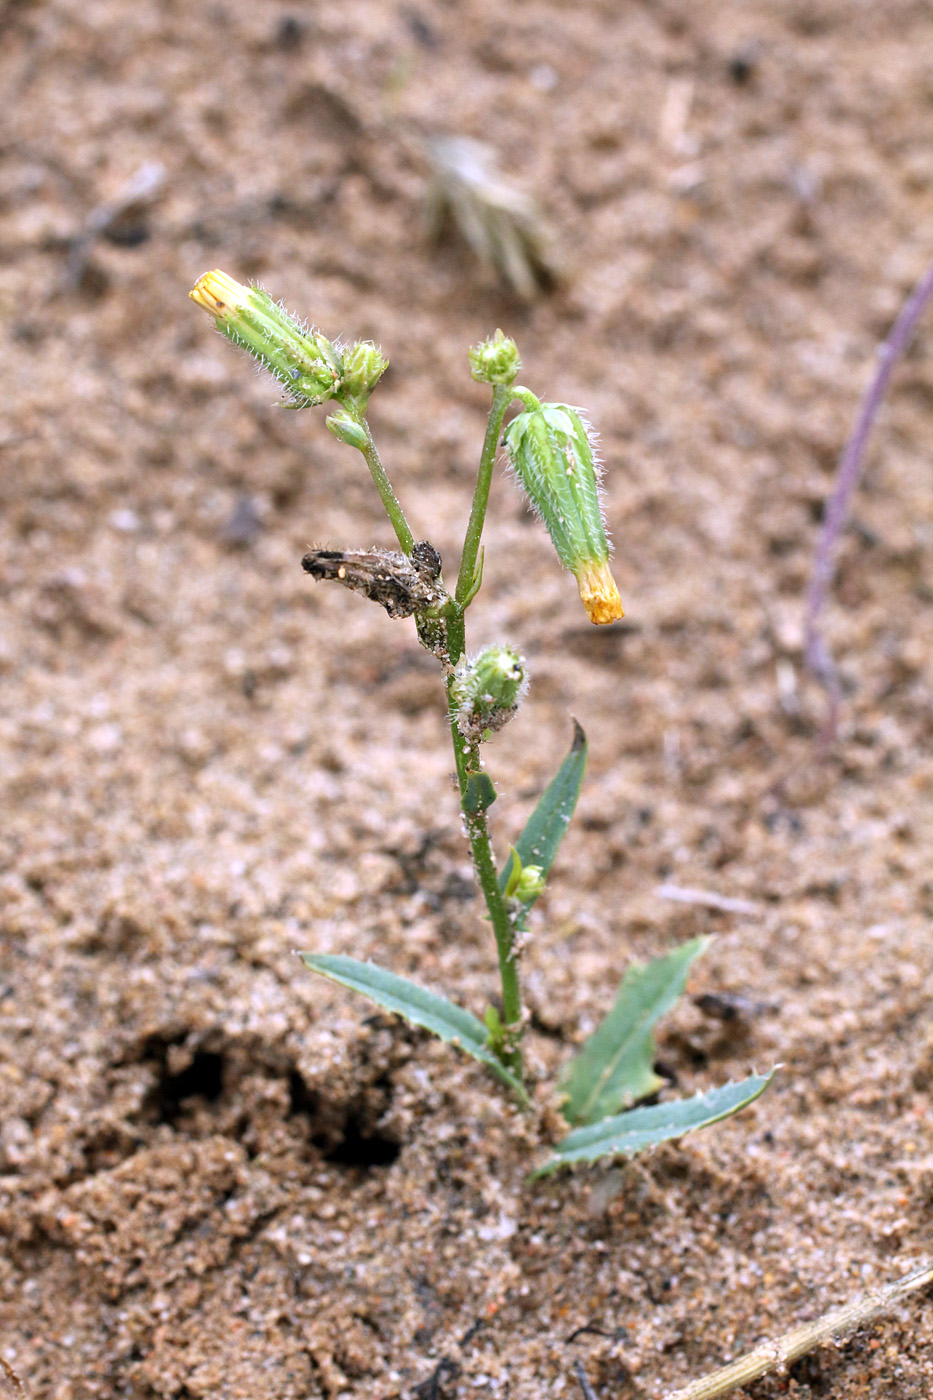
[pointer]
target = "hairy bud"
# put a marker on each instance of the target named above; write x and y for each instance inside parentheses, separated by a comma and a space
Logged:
(526, 882)
(363, 366)
(552, 451)
(487, 691)
(346, 429)
(298, 357)
(495, 361)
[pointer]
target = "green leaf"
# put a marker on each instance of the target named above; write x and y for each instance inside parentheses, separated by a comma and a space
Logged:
(479, 793)
(419, 1006)
(632, 1132)
(614, 1067)
(548, 823)
(512, 874)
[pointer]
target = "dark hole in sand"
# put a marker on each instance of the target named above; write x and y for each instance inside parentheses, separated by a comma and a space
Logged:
(347, 1138)
(202, 1078)
(361, 1150)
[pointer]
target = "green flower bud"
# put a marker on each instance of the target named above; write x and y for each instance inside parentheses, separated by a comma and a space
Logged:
(305, 362)
(552, 452)
(487, 691)
(346, 429)
(363, 366)
(525, 882)
(495, 361)
(530, 884)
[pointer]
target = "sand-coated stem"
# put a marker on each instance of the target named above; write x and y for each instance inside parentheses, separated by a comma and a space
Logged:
(466, 758)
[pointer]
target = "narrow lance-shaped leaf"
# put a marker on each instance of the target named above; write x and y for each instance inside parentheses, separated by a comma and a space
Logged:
(615, 1066)
(419, 1006)
(628, 1133)
(548, 823)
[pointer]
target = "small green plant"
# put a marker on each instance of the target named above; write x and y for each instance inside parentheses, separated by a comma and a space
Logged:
(553, 455)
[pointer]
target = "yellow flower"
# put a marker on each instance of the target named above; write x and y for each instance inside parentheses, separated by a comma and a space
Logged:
(298, 357)
(552, 450)
(219, 295)
(599, 593)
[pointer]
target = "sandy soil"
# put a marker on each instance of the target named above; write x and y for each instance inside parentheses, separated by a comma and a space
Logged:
(219, 1176)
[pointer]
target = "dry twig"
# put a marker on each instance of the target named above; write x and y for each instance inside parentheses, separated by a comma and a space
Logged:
(709, 899)
(772, 1356)
(848, 475)
(588, 1391)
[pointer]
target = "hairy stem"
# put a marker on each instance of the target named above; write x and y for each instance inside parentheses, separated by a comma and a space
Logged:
(456, 634)
(466, 757)
(383, 485)
(531, 401)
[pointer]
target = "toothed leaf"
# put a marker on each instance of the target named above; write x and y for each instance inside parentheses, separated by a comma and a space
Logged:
(628, 1133)
(614, 1067)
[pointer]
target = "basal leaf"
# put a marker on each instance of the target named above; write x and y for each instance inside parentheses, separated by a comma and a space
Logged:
(419, 1006)
(628, 1133)
(548, 823)
(614, 1067)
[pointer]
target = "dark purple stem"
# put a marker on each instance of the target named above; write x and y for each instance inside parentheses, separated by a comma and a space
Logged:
(848, 475)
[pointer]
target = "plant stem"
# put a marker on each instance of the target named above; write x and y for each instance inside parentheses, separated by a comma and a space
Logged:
(383, 485)
(456, 634)
(501, 398)
(466, 758)
(531, 401)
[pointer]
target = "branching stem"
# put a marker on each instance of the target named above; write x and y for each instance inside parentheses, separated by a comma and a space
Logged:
(466, 755)
(501, 398)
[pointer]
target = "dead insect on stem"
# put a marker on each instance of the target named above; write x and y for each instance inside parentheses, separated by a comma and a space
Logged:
(402, 585)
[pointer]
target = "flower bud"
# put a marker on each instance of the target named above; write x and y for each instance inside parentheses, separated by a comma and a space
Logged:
(305, 362)
(525, 882)
(487, 691)
(363, 366)
(495, 361)
(346, 429)
(529, 884)
(552, 452)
